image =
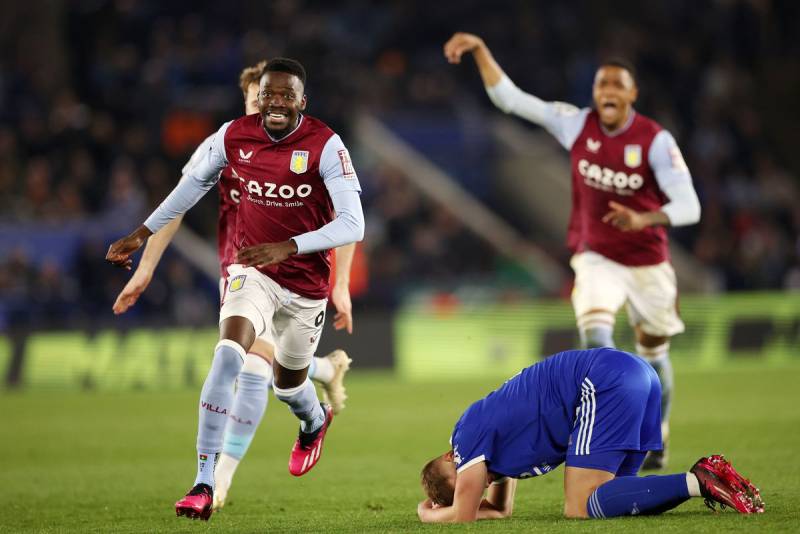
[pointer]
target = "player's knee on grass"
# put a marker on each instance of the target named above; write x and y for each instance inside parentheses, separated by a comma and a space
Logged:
(579, 484)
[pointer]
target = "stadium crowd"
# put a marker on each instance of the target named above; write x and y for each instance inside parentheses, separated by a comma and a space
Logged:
(95, 125)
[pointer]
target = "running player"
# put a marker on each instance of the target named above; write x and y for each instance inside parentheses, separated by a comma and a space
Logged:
(300, 198)
(629, 182)
(598, 410)
(256, 376)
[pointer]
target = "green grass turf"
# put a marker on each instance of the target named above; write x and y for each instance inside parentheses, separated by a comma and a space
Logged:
(116, 462)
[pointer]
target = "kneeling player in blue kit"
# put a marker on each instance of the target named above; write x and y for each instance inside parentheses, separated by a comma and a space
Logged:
(599, 411)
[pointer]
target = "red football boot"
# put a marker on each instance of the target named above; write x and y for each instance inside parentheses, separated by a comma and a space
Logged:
(197, 503)
(719, 482)
(308, 447)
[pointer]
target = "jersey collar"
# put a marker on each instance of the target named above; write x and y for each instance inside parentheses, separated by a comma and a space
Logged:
(299, 123)
(624, 127)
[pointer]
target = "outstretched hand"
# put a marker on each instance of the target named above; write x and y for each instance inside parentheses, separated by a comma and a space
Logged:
(340, 296)
(120, 251)
(459, 44)
(266, 253)
(132, 291)
(624, 218)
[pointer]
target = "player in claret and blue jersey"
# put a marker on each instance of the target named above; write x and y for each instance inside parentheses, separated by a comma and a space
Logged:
(599, 411)
(299, 199)
(629, 182)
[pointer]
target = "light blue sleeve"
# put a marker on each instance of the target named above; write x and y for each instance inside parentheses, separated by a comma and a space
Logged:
(563, 121)
(195, 183)
(340, 179)
(198, 154)
(674, 180)
(336, 168)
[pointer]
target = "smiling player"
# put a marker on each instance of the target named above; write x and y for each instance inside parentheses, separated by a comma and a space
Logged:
(256, 376)
(300, 198)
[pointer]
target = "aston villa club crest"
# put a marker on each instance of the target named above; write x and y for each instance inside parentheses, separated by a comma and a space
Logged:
(299, 162)
(237, 282)
(633, 155)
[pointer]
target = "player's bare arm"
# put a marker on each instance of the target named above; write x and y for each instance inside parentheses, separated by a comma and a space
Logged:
(266, 254)
(468, 502)
(121, 250)
(340, 294)
(499, 501)
(153, 250)
(461, 43)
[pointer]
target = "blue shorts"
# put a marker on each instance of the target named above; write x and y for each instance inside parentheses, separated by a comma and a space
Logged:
(618, 416)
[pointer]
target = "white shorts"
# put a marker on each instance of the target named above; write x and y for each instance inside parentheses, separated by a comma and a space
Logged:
(292, 321)
(650, 293)
(267, 335)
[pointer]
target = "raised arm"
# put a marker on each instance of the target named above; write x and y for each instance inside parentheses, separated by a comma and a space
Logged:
(461, 43)
(563, 121)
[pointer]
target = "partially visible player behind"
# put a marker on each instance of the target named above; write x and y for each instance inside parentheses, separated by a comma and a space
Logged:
(300, 199)
(256, 376)
(629, 182)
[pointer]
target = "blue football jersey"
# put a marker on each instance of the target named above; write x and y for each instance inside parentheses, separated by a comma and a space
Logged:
(523, 428)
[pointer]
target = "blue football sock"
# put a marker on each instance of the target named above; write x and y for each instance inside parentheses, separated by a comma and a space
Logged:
(638, 496)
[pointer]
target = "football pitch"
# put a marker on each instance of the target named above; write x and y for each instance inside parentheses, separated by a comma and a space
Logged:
(116, 462)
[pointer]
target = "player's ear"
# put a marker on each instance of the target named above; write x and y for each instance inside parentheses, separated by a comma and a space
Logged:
(448, 456)
(303, 102)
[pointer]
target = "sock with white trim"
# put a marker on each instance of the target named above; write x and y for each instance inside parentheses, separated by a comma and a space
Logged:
(303, 403)
(658, 358)
(638, 496)
(249, 405)
(216, 399)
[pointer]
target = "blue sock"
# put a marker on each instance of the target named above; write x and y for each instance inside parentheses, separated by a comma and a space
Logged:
(638, 496)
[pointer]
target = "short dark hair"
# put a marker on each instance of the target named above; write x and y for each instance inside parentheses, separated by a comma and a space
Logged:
(287, 65)
(620, 62)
